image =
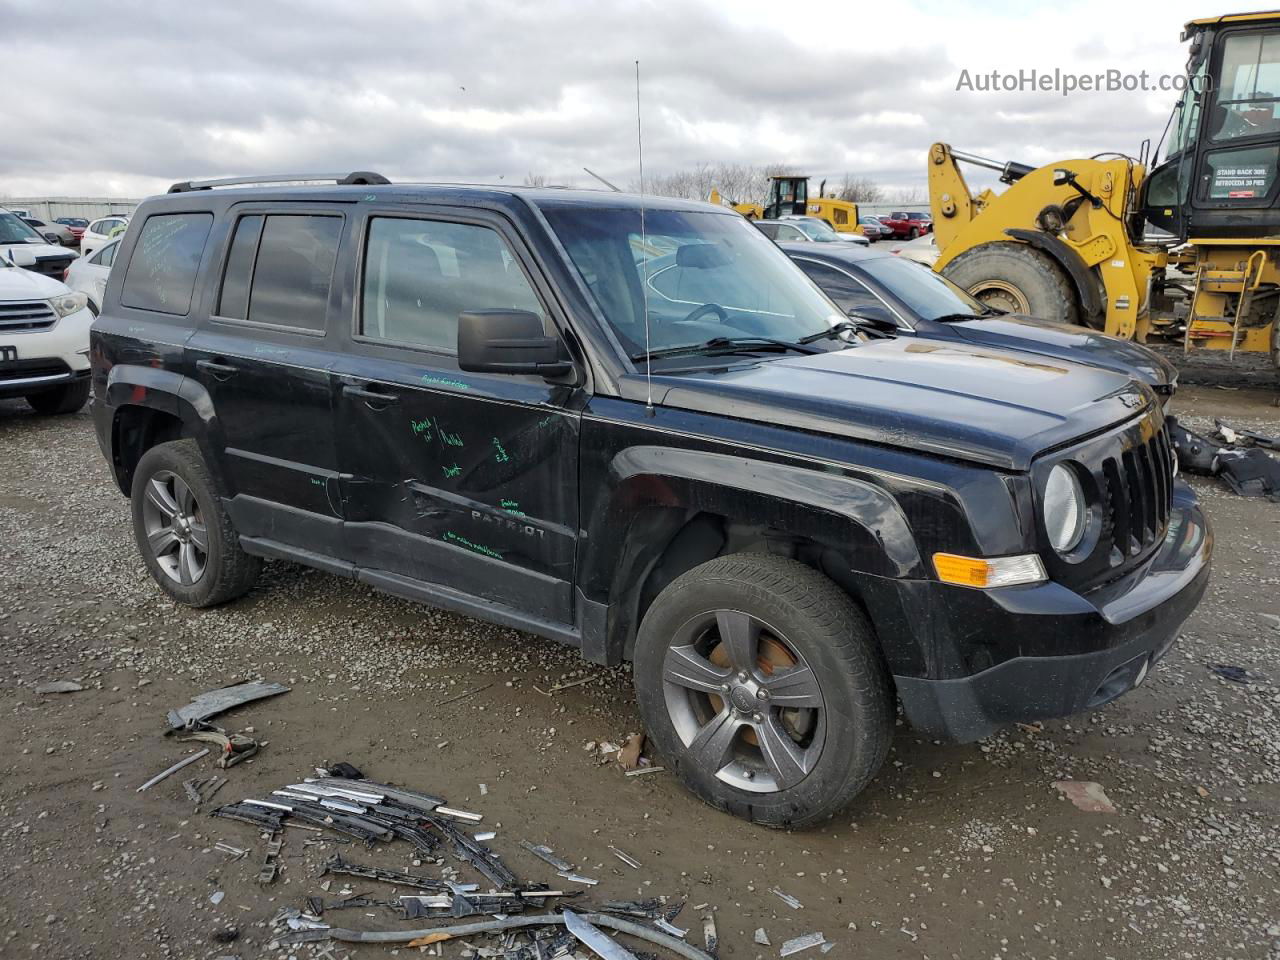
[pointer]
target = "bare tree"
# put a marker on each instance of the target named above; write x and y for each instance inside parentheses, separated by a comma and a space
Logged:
(859, 189)
(736, 182)
(912, 194)
(535, 180)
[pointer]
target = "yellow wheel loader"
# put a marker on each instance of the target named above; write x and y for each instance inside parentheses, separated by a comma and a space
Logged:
(1068, 241)
(789, 197)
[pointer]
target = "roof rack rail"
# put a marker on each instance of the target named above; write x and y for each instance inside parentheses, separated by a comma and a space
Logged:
(359, 177)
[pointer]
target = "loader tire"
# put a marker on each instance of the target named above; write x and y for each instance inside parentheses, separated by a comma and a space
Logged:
(1016, 278)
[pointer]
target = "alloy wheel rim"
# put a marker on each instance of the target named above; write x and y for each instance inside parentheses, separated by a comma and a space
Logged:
(175, 529)
(743, 714)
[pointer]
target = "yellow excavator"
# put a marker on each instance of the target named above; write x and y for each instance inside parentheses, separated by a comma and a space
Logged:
(1184, 246)
(789, 197)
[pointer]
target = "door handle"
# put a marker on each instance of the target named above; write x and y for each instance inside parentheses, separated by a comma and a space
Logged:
(369, 396)
(219, 370)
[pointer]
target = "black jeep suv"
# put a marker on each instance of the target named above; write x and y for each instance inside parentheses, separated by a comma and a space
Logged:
(634, 426)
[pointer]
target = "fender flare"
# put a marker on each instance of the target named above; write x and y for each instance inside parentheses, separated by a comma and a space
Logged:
(165, 391)
(662, 489)
(1082, 277)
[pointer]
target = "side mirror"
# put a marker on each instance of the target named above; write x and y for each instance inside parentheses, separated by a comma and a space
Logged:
(875, 315)
(509, 341)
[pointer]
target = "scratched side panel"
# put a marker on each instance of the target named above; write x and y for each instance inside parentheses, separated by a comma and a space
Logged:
(464, 481)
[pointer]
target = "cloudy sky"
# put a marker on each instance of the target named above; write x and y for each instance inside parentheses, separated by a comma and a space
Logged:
(122, 98)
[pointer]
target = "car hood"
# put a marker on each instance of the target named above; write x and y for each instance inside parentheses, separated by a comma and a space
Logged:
(19, 284)
(24, 254)
(999, 408)
(1065, 340)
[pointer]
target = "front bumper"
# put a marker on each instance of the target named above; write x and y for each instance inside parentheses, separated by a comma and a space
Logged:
(47, 358)
(1122, 630)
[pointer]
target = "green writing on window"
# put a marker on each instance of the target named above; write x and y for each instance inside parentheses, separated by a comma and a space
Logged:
(452, 471)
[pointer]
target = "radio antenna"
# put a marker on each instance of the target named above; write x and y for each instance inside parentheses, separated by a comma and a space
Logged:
(644, 259)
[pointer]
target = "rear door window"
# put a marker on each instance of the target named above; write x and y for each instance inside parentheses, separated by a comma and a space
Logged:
(280, 270)
(162, 271)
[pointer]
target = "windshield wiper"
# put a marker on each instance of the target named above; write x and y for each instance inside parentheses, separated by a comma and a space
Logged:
(718, 346)
(835, 330)
(986, 312)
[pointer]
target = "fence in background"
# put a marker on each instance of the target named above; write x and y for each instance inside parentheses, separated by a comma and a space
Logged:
(51, 208)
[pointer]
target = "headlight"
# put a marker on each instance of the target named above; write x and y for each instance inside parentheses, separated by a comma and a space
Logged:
(1064, 509)
(68, 303)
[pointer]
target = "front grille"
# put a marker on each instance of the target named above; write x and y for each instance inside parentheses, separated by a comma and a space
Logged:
(51, 266)
(1130, 490)
(41, 367)
(23, 316)
(1137, 487)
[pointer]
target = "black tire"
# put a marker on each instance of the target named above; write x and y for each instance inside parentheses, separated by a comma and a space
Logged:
(1016, 278)
(68, 398)
(827, 635)
(914, 233)
(227, 571)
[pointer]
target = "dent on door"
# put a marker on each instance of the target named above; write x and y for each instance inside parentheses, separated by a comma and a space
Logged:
(480, 495)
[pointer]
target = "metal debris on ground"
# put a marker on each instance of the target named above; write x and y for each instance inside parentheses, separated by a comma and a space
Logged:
(598, 942)
(59, 686)
(709, 935)
(1234, 454)
(796, 944)
(271, 862)
(1229, 671)
(577, 878)
(463, 696)
(213, 702)
(185, 761)
(232, 747)
(786, 898)
(379, 813)
(643, 770)
(1086, 795)
(629, 860)
(200, 790)
(547, 855)
(761, 937)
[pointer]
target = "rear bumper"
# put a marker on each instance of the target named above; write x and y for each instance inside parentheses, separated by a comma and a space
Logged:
(1127, 628)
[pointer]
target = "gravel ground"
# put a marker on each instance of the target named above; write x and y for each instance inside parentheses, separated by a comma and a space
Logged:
(954, 851)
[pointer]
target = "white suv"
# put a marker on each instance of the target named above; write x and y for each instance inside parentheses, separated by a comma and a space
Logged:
(44, 340)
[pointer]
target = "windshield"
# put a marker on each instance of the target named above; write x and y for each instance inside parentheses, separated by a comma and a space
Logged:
(816, 230)
(927, 294)
(14, 230)
(710, 275)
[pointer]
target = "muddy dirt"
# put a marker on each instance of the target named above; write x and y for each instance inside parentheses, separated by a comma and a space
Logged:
(954, 851)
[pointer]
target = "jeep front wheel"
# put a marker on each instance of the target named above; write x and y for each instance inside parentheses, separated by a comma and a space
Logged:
(760, 683)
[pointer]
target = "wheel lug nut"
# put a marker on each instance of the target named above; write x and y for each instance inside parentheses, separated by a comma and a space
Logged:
(742, 676)
(757, 717)
(762, 694)
(724, 687)
(748, 774)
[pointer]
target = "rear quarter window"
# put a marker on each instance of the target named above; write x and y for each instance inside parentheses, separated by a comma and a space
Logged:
(162, 271)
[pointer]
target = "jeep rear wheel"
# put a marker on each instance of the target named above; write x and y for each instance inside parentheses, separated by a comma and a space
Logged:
(68, 398)
(761, 685)
(182, 531)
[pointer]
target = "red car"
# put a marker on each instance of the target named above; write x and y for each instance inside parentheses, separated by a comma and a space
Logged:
(908, 225)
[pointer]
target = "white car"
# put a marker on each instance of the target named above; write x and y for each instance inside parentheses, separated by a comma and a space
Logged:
(44, 340)
(100, 232)
(88, 275)
(922, 249)
(26, 248)
(58, 233)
